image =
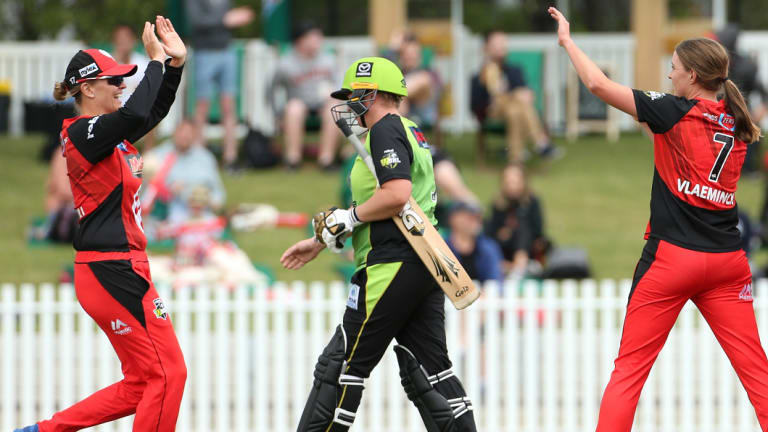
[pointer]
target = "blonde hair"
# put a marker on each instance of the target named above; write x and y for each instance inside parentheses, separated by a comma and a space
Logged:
(61, 92)
(710, 61)
(502, 200)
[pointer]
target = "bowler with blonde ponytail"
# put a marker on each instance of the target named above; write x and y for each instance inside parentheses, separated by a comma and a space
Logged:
(112, 279)
(693, 248)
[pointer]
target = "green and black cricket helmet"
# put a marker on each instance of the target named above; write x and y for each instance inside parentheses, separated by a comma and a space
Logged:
(362, 81)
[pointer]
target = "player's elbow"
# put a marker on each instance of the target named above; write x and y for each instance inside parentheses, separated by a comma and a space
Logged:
(595, 86)
(399, 199)
(399, 193)
(599, 86)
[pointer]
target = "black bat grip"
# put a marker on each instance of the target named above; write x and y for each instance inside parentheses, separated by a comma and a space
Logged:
(344, 126)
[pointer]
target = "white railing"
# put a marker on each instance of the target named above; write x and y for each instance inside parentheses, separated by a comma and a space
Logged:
(33, 67)
(541, 364)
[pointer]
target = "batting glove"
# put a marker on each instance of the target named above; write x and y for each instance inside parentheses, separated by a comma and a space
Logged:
(333, 226)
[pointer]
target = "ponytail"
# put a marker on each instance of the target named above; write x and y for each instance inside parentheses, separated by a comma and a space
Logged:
(745, 130)
(60, 91)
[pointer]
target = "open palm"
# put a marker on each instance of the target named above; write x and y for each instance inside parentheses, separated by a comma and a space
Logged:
(301, 253)
(172, 43)
(563, 27)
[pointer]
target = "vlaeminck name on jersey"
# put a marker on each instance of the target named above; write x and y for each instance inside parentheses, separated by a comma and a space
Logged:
(706, 192)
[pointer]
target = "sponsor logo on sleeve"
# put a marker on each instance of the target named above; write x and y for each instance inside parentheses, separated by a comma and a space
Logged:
(654, 95)
(364, 69)
(160, 312)
(419, 135)
(91, 122)
(84, 71)
(390, 159)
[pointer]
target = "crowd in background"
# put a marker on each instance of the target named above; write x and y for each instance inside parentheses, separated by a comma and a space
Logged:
(183, 188)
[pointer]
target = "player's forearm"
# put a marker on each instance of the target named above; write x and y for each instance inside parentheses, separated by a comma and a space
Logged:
(591, 75)
(384, 204)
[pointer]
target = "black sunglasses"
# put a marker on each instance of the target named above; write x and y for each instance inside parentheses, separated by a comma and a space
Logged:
(115, 81)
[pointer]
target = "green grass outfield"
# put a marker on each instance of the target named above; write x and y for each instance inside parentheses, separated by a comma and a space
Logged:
(596, 197)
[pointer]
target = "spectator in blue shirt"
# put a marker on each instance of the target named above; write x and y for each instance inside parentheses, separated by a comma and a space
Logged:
(480, 255)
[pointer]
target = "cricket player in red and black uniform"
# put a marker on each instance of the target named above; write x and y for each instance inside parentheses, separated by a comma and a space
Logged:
(112, 278)
(693, 249)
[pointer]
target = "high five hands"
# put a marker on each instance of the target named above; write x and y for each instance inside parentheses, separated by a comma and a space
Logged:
(166, 43)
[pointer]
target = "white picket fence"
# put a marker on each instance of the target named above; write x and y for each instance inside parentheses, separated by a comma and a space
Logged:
(534, 359)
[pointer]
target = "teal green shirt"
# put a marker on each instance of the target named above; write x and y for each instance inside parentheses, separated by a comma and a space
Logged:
(399, 151)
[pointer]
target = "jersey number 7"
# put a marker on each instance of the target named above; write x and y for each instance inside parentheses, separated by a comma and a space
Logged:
(727, 142)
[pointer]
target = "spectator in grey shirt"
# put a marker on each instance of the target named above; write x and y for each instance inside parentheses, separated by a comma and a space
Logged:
(215, 65)
(307, 76)
(187, 165)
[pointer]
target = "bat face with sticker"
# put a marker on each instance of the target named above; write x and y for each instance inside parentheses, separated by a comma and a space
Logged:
(422, 236)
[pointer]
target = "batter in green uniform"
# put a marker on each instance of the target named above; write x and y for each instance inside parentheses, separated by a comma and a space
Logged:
(391, 295)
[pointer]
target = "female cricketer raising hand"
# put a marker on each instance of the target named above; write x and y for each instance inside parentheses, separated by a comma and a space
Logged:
(693, 248)
(112, 278)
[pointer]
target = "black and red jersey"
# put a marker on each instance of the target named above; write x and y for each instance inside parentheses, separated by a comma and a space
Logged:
(697, 162)
(105, 169)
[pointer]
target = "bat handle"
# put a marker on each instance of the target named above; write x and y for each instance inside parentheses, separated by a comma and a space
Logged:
(359, 147)
(344, 126)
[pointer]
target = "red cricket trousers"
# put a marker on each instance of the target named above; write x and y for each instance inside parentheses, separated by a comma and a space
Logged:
(116, 290)
(666, 277)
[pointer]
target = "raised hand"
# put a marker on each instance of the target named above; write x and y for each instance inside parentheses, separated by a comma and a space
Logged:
(563, 27)
(238, 17)
(171, 42)
(152, 45)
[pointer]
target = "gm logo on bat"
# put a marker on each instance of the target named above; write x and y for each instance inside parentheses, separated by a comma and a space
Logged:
(412, 221)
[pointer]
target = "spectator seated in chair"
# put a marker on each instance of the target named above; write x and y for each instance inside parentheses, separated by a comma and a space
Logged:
(517, 224)
(499, 91)
(424, 86)
(174, 170)
(307, 76)
(479, 254)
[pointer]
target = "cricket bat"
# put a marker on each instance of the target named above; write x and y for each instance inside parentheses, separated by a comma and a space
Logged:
(425, 240)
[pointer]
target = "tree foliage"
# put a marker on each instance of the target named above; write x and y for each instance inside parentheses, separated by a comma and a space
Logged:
(90, 20)
(93, 20)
